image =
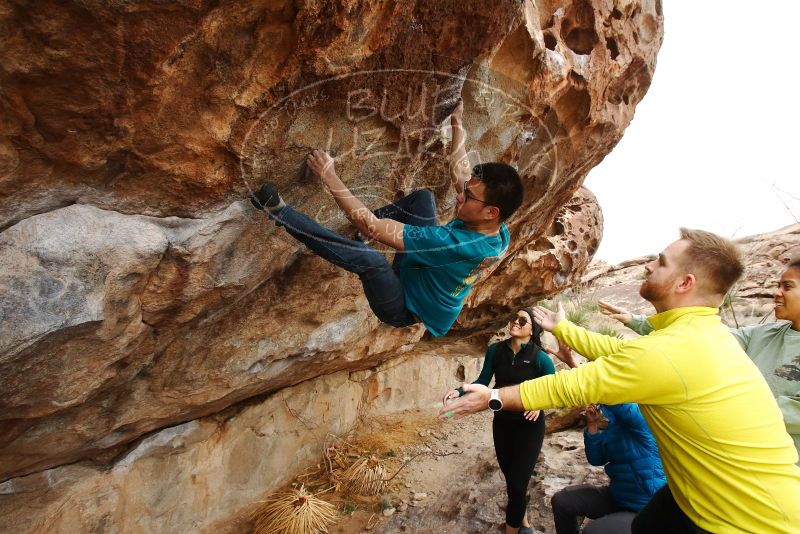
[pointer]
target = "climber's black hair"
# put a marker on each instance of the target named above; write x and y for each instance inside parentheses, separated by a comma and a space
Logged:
(504, 188)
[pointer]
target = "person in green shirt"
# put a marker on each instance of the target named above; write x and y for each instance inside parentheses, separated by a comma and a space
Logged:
(773, 347)
(729, 462)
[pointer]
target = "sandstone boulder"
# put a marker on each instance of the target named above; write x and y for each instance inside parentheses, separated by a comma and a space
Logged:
(138, 292)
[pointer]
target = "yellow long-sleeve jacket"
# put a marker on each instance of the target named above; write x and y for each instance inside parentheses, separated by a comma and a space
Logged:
(729, 462)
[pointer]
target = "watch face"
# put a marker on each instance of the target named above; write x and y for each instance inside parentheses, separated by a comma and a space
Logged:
(495, 404)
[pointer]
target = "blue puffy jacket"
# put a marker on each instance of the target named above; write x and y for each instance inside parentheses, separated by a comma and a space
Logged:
(629, 453)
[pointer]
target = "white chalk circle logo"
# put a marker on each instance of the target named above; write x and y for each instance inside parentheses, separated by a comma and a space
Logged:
(386, 130)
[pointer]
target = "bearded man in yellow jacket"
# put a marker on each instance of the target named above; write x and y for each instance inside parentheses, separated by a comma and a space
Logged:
(730, 464)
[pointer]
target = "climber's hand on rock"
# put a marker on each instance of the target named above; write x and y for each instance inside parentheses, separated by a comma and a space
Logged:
(322, 164)
(457, 112)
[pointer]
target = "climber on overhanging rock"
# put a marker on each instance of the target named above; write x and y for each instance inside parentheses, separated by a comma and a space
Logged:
(435, 266)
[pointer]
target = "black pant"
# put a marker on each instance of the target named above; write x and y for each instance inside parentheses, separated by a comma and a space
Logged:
(380, 280)
(583, 500)
(517, 443)
(662, 515)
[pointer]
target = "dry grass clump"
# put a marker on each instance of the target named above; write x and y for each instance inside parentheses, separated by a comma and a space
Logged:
(352, 470)
(295, 511)
(365, 476)
(387, 433)
(357, 467)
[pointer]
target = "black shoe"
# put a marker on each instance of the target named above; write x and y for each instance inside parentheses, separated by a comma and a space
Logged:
(266, 197)
(525, 530)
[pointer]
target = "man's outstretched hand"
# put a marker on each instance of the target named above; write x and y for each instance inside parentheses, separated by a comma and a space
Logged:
(474, 400)
(322, 164)
(564, 353)
(548, 319)
(615, 312)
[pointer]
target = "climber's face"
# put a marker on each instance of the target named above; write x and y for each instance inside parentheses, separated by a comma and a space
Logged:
(471, 205)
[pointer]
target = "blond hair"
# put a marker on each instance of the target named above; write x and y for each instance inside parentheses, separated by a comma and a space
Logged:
(714, 256)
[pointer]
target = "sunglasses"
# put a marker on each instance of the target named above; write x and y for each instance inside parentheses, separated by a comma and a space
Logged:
(468, 195)
(521, 321)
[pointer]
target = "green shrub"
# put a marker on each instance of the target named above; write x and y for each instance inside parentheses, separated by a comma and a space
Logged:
(727, 307)
(578, 315)
(609, 330)
(386, 502)
(547, 304)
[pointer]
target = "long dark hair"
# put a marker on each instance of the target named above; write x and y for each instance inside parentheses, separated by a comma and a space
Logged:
(536, 330)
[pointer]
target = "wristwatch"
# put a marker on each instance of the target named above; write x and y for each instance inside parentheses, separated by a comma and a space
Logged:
(495, 404)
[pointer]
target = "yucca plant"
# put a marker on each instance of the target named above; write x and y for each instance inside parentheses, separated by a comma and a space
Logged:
(365, 476)
(578, 315)
(295, 511)
(608, 330)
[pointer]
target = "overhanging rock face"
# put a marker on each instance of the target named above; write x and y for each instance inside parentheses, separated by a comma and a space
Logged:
(138, 292)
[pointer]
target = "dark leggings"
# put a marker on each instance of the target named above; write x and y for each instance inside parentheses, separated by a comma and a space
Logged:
(662, 515)
(380, 280)
(517, 443)
(594, 502)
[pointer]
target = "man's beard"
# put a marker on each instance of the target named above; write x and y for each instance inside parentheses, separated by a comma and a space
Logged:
(654, 292)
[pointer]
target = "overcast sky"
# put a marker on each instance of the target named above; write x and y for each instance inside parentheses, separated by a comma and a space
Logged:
(714, 144)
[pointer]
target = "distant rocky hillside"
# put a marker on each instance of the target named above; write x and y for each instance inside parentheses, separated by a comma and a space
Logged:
(764, 254)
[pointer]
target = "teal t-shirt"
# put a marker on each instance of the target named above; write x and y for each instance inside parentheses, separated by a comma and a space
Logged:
(441, 265)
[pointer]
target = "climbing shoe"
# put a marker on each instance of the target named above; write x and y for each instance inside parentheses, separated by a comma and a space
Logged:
(267, 198)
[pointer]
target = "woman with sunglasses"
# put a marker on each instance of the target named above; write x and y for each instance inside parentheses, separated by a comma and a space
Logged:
(518, 436)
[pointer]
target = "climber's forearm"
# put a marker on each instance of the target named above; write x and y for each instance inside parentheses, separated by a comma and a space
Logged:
(387, 231)
(459, 162)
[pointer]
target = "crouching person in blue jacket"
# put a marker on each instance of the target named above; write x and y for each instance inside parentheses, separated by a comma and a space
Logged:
(629, 453)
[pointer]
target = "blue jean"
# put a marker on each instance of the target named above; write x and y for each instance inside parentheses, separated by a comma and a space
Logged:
(380, 280)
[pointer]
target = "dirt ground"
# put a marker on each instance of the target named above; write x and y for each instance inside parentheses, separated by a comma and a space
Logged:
(451, 481)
